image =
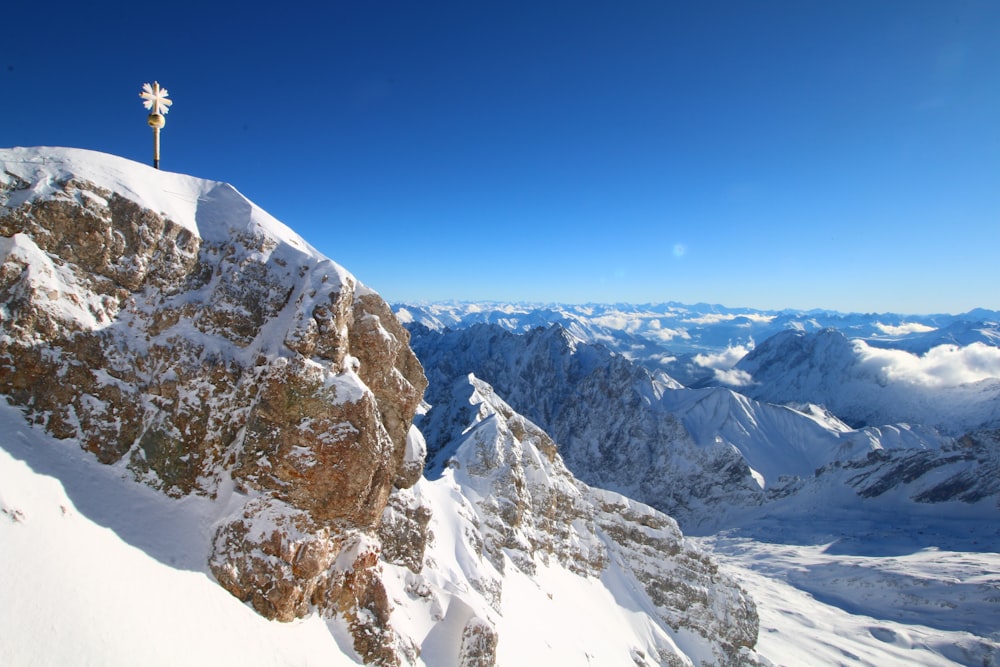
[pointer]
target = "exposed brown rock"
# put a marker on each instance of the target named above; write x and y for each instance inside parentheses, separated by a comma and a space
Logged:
(197, 360)
(479, 644)
(391, 370)
(404, 531)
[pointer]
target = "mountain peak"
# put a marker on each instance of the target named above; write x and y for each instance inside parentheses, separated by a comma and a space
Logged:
(203, 345)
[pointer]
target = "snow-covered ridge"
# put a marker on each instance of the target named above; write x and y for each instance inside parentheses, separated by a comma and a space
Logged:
(213, 210)
(649, 598)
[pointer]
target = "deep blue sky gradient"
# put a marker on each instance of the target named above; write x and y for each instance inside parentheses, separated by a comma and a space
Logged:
(841, 155)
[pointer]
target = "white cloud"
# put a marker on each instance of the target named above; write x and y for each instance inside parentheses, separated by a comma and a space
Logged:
(618, 322)
(664, 358)
(710, 318)
(733, 378)
(942, 366)
(903, 329)
(666, 335)
(715, 318)
(724, 360)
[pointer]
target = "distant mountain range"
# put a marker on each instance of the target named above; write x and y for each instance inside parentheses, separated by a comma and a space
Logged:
(869, 369)
(692, 342)
(800, 411)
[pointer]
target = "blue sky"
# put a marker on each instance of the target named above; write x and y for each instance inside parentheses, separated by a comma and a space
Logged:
(801, 154)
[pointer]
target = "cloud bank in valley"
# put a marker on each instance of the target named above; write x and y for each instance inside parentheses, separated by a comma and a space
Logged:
(722, 364)
(941, 366)
(903, 329)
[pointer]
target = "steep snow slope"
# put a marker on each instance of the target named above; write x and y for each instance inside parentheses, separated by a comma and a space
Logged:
(99, 570)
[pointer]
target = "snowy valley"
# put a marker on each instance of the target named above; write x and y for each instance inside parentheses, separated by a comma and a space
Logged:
(220, 446)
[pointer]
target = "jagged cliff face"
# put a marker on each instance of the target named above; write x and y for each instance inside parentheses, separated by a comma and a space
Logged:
(169, 325)
(613, 420)
(524, 515)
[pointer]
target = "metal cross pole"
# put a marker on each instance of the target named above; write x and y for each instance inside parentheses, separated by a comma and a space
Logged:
(155, 99)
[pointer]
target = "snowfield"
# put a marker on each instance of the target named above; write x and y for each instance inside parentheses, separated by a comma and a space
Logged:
(99, 570)
(819, 606)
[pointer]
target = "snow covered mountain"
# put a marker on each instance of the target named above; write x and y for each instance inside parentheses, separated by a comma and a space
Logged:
(705, 456)
(693, 342)
(197, 400)
(207, 427)
(875, 545)
(954, 389)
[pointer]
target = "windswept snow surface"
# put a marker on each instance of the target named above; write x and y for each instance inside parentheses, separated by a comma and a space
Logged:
(887, 603)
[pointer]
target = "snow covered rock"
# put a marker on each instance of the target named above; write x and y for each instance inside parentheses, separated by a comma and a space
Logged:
(527, 517)
(171, 326)
(967, 471)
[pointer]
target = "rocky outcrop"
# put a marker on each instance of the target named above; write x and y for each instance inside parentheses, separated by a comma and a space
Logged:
(966, 471)
(682, 582)
(204, 343)
(530, 512)
(479, 644)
